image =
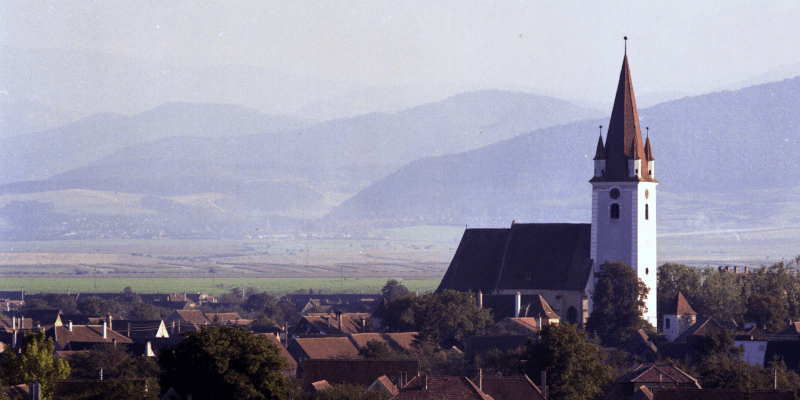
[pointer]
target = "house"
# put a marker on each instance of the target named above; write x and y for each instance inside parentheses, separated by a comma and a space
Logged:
(321, 348)
(45, 317)
(719, 394)
(650, 376)
(518, 306)
(82, 337)
(700, 328)
(791, 332)
(362, 373)
(14, 323)
(331, 324)
(140, 330)
(508, 387)
(440, 387)
(516, 326)
(404, 342)
(291, 365)
(678, 317)
(559, 261)
(641, 347)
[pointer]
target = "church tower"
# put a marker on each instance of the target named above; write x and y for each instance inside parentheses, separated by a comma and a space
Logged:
(624, 194)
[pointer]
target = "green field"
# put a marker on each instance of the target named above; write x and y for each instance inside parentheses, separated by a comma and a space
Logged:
(276, 286)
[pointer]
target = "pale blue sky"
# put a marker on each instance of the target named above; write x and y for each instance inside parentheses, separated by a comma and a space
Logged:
(567, 48)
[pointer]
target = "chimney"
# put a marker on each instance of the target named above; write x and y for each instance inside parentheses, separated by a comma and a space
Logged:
(339, 317)
(114, 342)
(517, 304)
(129, 329)
(14, 339)
(172, 330)
(148, 349)
(70, 328)
(544, 384)
(105, 335)
(363, 325)
(735, 269)
(480, 378)
(101, 374)
(480, 299)
(110, 322)
(14, 323)
(745, 269)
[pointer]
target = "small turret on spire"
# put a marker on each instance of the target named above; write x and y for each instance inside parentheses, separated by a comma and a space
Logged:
(600, 154)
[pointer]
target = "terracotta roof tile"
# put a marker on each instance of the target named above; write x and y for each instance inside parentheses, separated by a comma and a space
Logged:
(508, 387)
(83, 334)
(441, 387)
(658, 373)
(325, 347)
(405, 341)
(679, 306)
(357, 372)
(699, 328)
(624, 134)
(292, 364)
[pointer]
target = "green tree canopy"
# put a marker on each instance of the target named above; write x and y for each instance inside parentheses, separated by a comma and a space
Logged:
(767, 312)
(674, 278)
(445, 318)
(117, 364)
(619, 302)
(575, 370)
(393, 290)
(348, 392)
(34, 363)
(376, 350)
(223, 362)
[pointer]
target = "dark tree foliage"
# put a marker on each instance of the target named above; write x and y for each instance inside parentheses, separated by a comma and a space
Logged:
(393, 290)
(445, 318)
(348, 392)
(767, 312)
(257, 302)
(715, 342)
(117, 364)
(33, 363)
(619, 302)
(223, 362)
(725, 372)
(143, 311)
(575, 368)
(376, 350)
(674, 278)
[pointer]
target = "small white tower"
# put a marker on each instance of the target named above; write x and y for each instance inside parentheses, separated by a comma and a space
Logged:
(624, 194)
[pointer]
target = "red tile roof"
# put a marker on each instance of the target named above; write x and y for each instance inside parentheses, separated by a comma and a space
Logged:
(292, 364)
(658, 373)
(325, 347)
(83, 334)
(441, 387)
(508, 387)
(356, 372)
(405, 341)
(679, 306)
(624, 137)
(699, 328)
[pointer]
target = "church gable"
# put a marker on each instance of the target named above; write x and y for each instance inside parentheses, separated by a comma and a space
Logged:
(523, 257)
(546, 257)
(476, 264)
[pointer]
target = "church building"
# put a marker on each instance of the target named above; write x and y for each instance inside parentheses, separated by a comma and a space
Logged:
(559, 261)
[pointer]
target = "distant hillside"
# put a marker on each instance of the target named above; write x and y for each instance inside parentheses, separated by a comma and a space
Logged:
(255, 164)
(43, 154)
(726, 142)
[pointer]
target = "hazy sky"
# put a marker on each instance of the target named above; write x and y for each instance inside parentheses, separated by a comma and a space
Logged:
(567, 48)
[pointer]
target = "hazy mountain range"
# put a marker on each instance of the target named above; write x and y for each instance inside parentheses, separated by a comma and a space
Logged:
(482, 157)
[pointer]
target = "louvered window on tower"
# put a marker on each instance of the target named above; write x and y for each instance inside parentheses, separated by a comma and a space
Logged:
(615, 211)
(647, 211)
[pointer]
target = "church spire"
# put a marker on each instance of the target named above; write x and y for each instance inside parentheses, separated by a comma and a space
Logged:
(600, 154)
(624, 134)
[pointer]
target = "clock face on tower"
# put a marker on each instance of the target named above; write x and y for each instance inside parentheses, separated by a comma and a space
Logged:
(614, 193)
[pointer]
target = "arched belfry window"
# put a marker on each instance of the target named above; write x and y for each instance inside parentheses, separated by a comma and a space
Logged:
(666, 323)
(615, 211)
(647, 211)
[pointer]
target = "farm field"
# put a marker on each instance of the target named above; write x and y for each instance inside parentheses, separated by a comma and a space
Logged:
(276, 286)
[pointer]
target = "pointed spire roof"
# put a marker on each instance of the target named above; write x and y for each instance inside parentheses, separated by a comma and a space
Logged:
(648, 151)
(624, 138)
(679, 306)
(600, 154)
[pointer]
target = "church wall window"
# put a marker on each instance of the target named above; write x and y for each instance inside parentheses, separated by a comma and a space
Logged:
(666, 323)
(615, 211)
(647, 211)
(572, 315)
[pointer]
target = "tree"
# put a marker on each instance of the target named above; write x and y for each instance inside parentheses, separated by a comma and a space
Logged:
(721, 295)
(445, 318)
(34, 363)
(224, 362)
(766, 311)
(619, 302)
(574, 366)
(376, 350)
(259, 301)
(674, 278)
(144, 311)
(116, 364)
(393, 290)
